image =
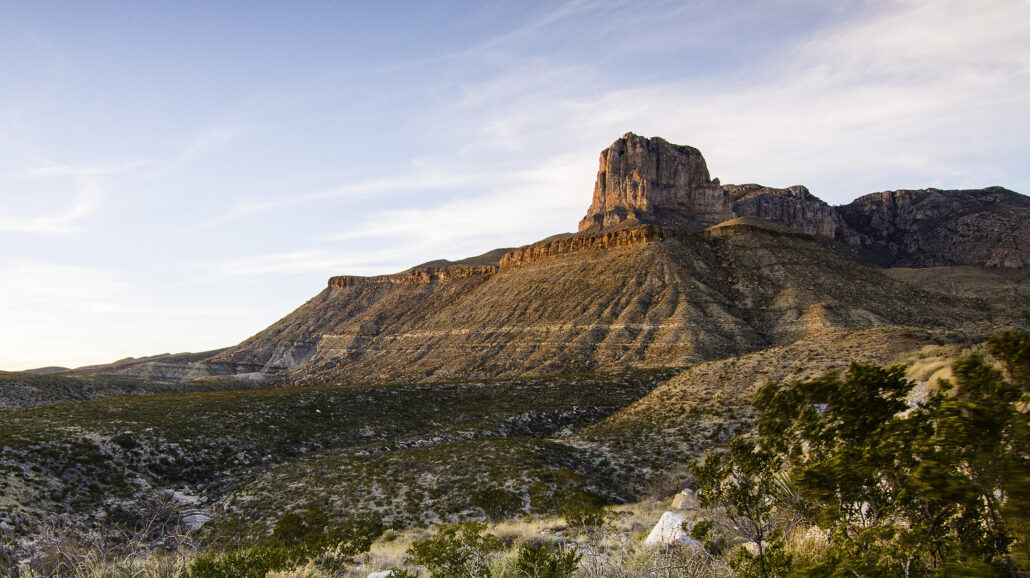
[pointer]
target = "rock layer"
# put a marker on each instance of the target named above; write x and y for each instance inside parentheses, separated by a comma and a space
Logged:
(641, 297)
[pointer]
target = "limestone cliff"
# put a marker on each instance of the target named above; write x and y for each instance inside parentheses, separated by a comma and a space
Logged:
(794, 207)
(651, 181)
(669, 268)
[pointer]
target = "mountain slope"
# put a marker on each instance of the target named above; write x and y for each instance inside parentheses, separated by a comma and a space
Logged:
(640, 297)
(669, 268)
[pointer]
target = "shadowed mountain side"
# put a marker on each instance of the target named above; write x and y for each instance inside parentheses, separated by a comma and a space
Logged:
(704, 406)
(644, 297)
(933, 227)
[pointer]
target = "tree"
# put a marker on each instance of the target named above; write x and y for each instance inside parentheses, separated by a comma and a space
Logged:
(743, 482)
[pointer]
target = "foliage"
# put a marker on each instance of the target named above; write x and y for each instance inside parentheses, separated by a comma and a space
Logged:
(744, 483)
(498, 504)
(546, 561)
(456, 551)
(928, 488)
(771, 560)
(582, 509)
(296, 539)
(250, 563)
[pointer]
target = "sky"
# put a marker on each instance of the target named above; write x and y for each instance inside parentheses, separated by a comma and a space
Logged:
(175, 176)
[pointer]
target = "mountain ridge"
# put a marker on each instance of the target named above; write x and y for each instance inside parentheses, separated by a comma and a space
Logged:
(669, 268)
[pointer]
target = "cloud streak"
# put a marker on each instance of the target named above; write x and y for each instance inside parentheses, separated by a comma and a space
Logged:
(61, 222)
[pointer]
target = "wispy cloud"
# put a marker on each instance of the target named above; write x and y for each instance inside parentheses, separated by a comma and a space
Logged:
(421, 180)
(321, 261)
(522, 202)
(44, 168)
(60, 222)
(896, 95)
(84, 184)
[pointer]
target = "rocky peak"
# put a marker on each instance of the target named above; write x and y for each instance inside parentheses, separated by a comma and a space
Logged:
(793, 206)
(651, 181)
(934, 227)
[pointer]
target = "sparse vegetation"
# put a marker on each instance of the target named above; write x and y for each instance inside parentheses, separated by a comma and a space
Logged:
(857, 470)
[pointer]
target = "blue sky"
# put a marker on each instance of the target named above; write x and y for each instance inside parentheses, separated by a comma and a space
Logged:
(176, 176)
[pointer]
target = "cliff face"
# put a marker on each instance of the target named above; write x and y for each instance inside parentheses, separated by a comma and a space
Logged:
(930, 227)
(794, 207)
(651, 181)
(417, 276)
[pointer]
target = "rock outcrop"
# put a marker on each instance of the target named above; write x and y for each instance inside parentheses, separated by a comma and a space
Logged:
(670, 529)
(417, 276)
(931, 227)
(651, 181)
(794, 207)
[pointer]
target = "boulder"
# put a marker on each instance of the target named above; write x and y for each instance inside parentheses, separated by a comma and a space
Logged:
(669, 530)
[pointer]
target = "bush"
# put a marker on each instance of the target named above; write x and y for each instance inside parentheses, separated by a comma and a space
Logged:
(251, 563)
(546, 561)
(582, 509)
(457, 550)
(497, 503)
(296, 539)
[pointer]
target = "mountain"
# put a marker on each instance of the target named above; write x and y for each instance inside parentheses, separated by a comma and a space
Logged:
(592, 366)
(669, 269)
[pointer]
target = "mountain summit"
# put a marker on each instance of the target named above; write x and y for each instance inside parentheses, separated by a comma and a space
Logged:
(669, 268)
(650, 181)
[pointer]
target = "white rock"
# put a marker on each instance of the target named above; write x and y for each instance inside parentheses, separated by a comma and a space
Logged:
(382, 574)
(669, 530)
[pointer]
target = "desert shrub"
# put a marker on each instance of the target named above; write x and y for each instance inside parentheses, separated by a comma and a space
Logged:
(582, 509)
(251, 563)
(498, 504)
(456, 551)
(546, 561)
(934, 489)
(296, 539)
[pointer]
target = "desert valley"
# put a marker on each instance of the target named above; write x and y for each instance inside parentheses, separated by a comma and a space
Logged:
(534, 410)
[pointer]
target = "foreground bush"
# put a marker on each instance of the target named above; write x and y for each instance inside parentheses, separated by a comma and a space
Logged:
(546, 561)
(937, 489)
(456, 551)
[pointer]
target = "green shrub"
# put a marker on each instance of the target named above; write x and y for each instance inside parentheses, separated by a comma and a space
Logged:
(582, 509)
(456, 551)
(251, 563)
(497, 503)
(546, 561)
(295, 539)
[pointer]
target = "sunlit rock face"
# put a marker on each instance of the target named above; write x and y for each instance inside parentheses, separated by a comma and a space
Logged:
(650, 181)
